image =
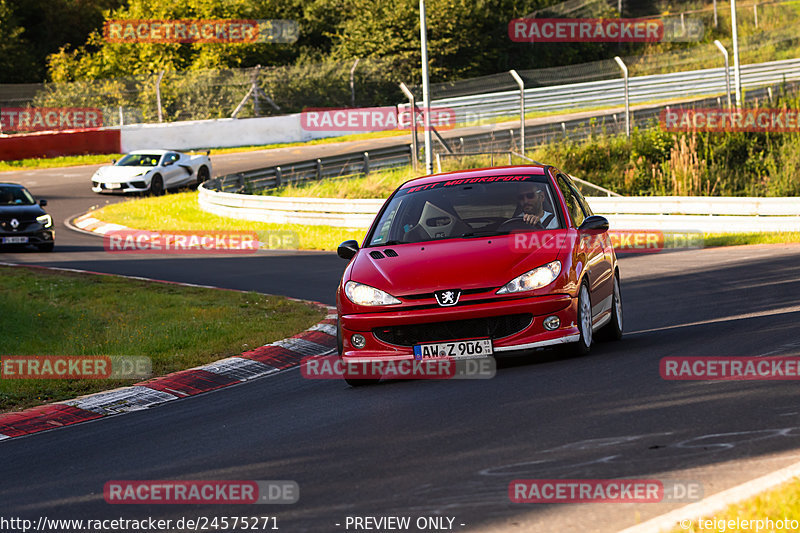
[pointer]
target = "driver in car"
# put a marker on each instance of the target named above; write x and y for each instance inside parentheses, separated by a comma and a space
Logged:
(530, 206)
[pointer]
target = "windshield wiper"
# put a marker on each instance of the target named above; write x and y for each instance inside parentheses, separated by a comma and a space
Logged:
(483, 233)
(390, 243)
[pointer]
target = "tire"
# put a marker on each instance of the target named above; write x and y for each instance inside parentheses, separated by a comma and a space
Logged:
(613, 330)
(48, 247)
(157, 185)
(584, 343)
(202, 175)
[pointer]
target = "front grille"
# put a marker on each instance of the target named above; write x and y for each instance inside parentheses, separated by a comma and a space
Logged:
(430, 295)
(494, 327)
(5, 224)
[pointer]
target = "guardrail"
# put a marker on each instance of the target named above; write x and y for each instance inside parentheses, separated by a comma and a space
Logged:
(707, 214)
(642, 89)
(493, 138)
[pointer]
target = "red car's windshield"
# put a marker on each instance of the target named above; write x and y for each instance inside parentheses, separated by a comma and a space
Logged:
(463, 209)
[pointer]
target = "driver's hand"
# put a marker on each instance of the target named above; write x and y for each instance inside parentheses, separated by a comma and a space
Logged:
(530, 218)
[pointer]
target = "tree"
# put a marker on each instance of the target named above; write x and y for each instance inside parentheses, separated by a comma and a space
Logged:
(16, 61)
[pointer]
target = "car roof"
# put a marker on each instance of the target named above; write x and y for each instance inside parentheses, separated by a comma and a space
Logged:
(158, 151)
(9, 184)
(539, 170)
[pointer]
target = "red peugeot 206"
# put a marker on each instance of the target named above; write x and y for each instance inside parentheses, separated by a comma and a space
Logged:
(479, 262)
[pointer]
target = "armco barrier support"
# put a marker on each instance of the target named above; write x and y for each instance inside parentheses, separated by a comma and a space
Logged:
(53, 144)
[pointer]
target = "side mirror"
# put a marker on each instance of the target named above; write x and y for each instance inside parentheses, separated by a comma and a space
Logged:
(594, 224)
(347, 250)
(42, 202)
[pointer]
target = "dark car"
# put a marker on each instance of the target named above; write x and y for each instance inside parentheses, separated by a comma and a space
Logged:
(483, 261)
(23, 221)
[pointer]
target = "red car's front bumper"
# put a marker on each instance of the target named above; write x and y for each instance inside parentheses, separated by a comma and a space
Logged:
(391, 335)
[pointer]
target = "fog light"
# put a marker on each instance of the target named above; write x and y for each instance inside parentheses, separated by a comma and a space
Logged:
(358, 341)
(552, 322)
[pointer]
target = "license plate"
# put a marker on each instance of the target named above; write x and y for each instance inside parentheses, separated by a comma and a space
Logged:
(114, 185)
(456, 349)
(15, 240)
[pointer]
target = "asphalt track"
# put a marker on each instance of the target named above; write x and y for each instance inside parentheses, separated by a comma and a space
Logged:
(443, 448)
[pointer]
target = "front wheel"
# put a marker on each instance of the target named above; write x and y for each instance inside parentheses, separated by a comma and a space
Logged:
(613, 330)
(157, 185)
(584, 322)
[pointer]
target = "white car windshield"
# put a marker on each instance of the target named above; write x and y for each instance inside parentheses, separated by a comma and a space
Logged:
(139, 160)
(471, 207)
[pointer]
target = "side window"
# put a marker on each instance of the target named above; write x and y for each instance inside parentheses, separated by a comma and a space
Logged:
(573, 204)
(581, 200)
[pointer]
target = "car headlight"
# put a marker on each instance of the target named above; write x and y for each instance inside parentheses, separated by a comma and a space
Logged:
(361, 294)
(45, 220)
(533, 279)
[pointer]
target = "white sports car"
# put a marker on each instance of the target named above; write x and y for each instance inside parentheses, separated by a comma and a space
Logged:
(152, 171)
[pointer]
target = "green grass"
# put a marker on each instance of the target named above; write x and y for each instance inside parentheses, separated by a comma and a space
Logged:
(57, 162)
(181, 212)
(735, 239)
(375, 185)
(61, 313)
(777, 504)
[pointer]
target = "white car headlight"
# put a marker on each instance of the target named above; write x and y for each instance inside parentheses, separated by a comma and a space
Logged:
(45, 220)
(533, 279)
(361, 294)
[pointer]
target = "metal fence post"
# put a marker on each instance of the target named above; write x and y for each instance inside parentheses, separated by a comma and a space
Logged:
(158, 95)
(423, 34)
(319, 169)
(727, 71)
(278, 176)
(627, 100)
(521, 108)
(353, 84)
(736, 74)
(414, 142)
(715, 13)
(366, 163)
